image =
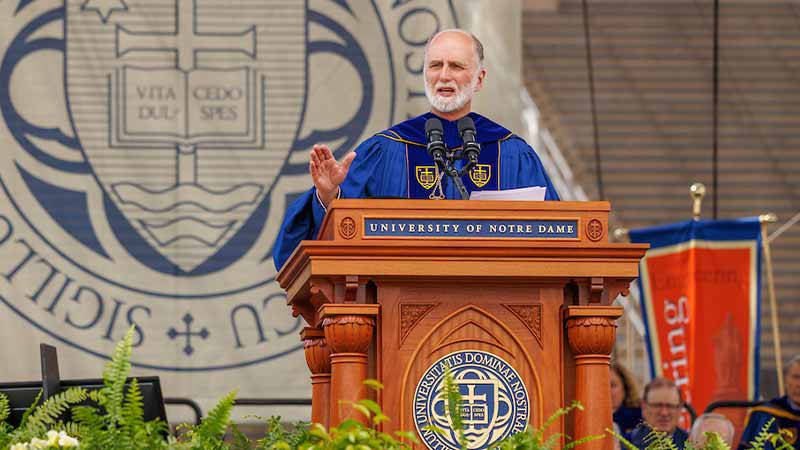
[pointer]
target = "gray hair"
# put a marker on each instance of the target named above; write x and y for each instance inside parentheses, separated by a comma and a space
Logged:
(475, 42)
(790, 364)
(697, 427)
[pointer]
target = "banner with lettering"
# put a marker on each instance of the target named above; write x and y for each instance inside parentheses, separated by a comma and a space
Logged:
(700, 287)
(148, 150)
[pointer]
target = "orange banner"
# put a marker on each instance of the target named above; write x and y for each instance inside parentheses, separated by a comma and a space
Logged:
(700, 297)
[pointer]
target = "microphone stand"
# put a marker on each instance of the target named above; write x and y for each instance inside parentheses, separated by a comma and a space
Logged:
(455, 174)
(445, 159)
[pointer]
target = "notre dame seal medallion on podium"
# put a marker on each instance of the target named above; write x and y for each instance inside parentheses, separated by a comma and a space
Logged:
(494, 401)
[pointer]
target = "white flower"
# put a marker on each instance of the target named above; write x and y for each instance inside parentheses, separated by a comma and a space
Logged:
(40, 444)
(55, 439)
(52, 438)
(66, 441)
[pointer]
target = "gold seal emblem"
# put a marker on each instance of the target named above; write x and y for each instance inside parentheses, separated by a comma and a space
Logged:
(594, 230)
(481, 174)
(426, 176)
(347, 228)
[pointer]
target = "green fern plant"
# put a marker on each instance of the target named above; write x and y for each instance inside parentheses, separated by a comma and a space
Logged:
(5, 409)
(350, 434)
(353, 435)
(454, 404)
(451, 396)
(655, 440)
(764, 436)
(213, 426)
(209, 434)
(279, 438)
(37, 420)
(658, 440)
(530, 439)
(115, 376)
(5, 428)
(713, 441)
(534, 438)
(117, 422)
(113, 419)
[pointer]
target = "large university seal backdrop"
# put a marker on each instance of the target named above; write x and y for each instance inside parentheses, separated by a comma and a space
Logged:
(149, 150)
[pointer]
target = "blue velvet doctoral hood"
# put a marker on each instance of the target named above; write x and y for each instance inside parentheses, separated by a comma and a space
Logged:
(413, 130)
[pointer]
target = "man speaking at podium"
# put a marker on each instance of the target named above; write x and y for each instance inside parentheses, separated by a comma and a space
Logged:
(411, 159)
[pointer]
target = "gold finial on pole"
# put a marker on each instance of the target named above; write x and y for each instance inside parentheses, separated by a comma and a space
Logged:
(766, 219)
(620, 234)
(697, 191)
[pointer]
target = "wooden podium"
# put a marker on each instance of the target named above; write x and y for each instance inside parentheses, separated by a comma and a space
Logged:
(522, 291)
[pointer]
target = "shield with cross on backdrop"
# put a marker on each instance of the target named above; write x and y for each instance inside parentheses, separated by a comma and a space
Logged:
(186, 111)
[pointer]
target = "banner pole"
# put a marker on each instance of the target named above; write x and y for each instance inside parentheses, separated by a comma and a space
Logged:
(765, 219)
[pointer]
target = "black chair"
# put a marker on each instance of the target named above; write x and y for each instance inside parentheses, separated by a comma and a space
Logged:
(21, 395)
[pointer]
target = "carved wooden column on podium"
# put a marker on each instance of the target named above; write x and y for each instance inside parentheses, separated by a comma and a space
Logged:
(591, 331)
(348, 331)
(318, 358)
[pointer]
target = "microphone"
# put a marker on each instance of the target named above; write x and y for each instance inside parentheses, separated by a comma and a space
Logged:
(435, 135)
(466, 128)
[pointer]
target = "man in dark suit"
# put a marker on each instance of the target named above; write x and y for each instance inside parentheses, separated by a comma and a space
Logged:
(661, 409)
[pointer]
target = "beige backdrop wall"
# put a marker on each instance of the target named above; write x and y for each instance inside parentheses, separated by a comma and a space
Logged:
(149, 148)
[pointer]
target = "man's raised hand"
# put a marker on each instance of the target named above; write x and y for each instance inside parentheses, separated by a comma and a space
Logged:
(328, 173)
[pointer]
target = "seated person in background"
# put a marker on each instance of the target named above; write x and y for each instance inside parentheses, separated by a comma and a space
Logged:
(661, 409)
(624, 399)
(711, 422)
(785, 410)
(395, 162)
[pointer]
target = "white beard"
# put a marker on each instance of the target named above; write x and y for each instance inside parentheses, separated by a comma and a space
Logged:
(449, 104)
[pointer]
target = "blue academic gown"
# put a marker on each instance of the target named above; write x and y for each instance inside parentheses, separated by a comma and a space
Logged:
(395, 163)
(786, 418)
(627, 418)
